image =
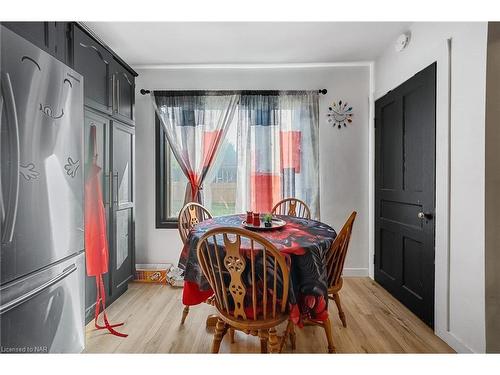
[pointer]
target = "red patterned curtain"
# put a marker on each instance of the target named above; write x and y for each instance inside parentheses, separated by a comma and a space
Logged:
(278, 150)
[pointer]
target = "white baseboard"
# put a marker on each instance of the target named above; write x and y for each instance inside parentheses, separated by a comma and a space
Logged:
(357, 272)
(453, 341)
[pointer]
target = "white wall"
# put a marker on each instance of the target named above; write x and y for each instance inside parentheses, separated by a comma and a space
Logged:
(343, 153)
(460, 294)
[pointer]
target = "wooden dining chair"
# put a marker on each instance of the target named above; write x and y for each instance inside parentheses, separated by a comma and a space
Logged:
(250, 279)
(335, 259)
(191, 214)
(335, 264)
(292, 207)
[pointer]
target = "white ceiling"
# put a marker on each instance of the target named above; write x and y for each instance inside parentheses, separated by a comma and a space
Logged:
(159, 43)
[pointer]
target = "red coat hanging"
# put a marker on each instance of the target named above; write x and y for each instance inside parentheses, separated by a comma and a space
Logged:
(96, 244)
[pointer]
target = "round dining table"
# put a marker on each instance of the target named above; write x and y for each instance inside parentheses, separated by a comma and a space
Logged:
(304, 241)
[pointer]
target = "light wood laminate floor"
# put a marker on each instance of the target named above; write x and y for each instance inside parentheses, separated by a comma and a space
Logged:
(376, 323)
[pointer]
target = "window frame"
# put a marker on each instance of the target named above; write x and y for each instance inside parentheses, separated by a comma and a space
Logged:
(162, 178)
(163, 159)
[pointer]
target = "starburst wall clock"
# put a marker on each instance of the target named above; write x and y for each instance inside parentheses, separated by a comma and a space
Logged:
(339, 114)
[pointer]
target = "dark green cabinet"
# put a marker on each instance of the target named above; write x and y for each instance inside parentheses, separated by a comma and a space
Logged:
(35, 32)
(52, 37)
(122, 259)
(102, 125)
(62, 41)
(122, 262)
(109, 100)
(93, 62)
(109, 85)
(115, 155)
(123, 93)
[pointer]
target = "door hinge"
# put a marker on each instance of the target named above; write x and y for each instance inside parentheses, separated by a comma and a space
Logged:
(373, 258)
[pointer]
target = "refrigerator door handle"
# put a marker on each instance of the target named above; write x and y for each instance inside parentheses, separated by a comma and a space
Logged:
(2, 207)
(34, 292)
(12, 123)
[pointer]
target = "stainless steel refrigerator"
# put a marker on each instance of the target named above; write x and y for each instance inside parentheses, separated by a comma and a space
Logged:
(41, 201)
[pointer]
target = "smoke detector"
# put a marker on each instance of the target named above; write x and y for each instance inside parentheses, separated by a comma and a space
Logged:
(402, 42)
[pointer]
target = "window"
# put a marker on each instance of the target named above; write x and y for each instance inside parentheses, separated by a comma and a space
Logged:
(269, 151)
(219, 190)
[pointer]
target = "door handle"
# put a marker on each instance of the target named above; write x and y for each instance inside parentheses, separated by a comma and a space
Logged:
(425, 215)
(32, 293)
(11, 211)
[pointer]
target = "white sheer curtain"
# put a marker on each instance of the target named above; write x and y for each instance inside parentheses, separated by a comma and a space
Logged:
(195, 124)
(277, 149)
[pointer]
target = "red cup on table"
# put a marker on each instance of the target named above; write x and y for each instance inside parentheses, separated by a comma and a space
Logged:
(256, 219)
(249, 219)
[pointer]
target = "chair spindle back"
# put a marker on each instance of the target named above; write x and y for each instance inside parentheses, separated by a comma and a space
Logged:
(292, 207)
(190, 215)
(247, 273)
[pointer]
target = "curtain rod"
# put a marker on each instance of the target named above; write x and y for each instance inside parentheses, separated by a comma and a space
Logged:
(321, 91)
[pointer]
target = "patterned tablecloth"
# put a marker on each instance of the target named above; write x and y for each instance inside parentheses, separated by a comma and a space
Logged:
(305, 242)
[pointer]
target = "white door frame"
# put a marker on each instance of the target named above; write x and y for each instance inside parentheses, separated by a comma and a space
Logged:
(441, 55)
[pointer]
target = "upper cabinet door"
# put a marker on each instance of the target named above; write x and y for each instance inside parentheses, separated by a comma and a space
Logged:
(52, 37)
(61, 42)
(123, 93)
(93, 61)
(35, 32)
(122, 165)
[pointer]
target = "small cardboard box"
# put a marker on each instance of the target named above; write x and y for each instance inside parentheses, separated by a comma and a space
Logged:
(175, 277)
(152, 273)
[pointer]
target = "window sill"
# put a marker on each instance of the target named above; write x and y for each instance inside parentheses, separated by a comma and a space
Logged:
(169, 224)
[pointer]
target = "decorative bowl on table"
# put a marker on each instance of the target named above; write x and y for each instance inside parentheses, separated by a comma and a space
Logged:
(274, 223)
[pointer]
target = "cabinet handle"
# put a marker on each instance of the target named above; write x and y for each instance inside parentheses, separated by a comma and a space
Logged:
(115, 201)
(108, 177)
(113, 93)
(96, 51)
(117, 95)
